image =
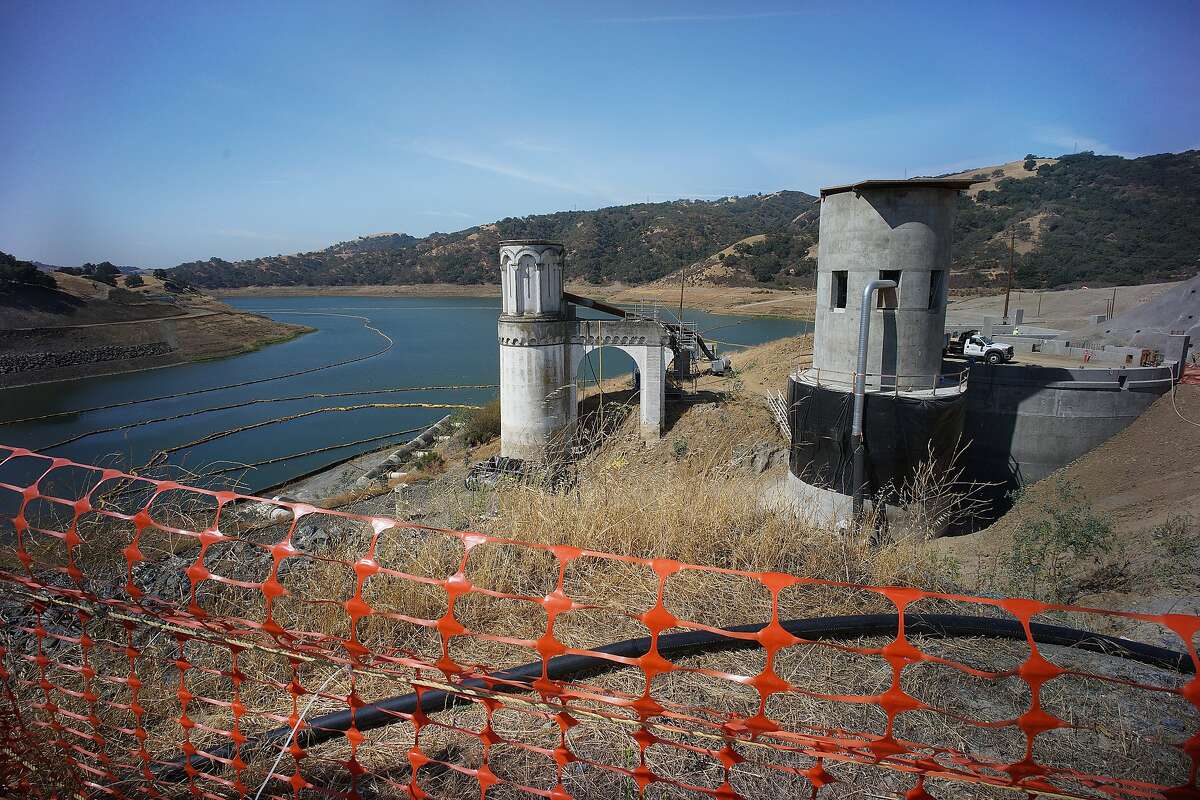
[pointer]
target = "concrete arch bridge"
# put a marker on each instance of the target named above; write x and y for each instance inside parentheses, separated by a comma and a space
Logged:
(542, 343)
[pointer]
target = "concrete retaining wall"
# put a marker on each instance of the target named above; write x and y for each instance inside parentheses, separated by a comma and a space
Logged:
(1109, 354)
(1025, 421)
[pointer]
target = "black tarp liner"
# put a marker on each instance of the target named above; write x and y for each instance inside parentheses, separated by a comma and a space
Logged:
(898, 433)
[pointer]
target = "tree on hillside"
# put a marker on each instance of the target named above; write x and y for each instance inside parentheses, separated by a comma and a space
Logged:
(1100, 218)
(13, 272)
(634, 243)
(103, 272)
(134, 281)
(177, 286)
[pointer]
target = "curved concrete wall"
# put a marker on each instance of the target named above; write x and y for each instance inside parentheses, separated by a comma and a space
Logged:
(1025, 421)
(874, 229)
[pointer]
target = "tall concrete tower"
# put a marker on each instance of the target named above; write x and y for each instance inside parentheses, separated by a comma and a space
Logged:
(536, 401)
(887, 244)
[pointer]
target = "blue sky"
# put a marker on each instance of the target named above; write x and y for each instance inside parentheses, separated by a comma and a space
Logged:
(154, 133)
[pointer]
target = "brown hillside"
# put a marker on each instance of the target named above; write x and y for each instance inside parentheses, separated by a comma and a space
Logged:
(989, 180)
(1139, 481)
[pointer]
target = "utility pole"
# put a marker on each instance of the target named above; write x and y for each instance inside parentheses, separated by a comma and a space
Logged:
(682, 281)
(600, 381)
(1012, 244)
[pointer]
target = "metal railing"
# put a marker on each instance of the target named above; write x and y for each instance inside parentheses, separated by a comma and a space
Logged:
(650, 310)
(950, 382)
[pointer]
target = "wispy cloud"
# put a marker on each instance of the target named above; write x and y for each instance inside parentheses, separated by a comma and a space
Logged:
(1069, 141)
(528, 145)
(704, 17)
(453, 154)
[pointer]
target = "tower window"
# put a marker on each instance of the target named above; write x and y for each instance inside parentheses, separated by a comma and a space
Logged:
(838, 289)
(937, 289)
(888, 298)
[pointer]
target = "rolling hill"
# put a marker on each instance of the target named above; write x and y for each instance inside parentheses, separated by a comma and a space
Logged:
(1078, 218)
(633, 244)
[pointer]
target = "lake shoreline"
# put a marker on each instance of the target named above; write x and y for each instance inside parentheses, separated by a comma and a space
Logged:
(190, 339)
(732, 300)
(277, 406)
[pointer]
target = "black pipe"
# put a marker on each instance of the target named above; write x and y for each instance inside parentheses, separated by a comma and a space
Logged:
(595, 304)
(385, 712)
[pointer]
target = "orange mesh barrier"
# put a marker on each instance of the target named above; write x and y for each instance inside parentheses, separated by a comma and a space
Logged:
(159, 638)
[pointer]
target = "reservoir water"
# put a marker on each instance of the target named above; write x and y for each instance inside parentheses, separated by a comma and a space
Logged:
(434, 342)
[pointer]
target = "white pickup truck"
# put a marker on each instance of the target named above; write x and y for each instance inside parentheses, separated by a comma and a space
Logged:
(972, 344)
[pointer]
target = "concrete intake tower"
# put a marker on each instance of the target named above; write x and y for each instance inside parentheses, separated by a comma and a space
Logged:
(542, 343)
(885, 246)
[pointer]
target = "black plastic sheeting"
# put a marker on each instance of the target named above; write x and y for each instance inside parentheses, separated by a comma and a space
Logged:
(900, 433)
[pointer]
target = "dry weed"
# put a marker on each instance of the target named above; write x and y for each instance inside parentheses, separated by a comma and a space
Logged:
(700, 506)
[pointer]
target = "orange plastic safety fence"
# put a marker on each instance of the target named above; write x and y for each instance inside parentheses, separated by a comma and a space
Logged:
(167, 641)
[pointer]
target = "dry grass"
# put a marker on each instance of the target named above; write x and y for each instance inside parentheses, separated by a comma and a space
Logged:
(697, 504)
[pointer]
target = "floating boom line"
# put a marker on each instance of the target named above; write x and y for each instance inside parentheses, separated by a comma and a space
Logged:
(263, 400)
(158, 458)
(313, 452)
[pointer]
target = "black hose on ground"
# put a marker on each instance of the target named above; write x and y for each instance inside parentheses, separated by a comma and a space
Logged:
(943, 626)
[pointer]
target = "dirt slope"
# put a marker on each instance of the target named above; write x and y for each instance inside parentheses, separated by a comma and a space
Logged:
(712, 271)
(1138, 480)
(1013, 169)
(1066, 309)
(81, 301)
(1174, 311)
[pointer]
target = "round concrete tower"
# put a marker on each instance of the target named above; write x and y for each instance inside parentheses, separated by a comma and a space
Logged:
(535, 380)
(893, 239)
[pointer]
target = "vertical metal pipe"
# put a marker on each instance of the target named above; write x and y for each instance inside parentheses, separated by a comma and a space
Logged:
(1008, 292)
(860, 390)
